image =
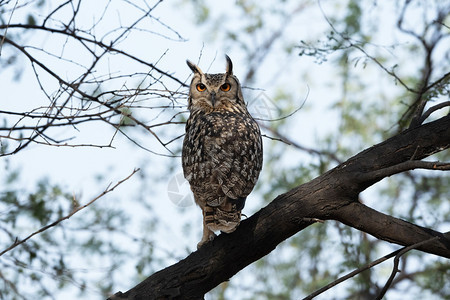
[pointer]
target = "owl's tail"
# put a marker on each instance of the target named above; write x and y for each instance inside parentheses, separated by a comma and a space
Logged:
(218, 219)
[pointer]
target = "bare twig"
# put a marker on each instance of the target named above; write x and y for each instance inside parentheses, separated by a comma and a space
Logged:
(68, 105)
(7, 26)
(288, 141)
(108, 189)
(351, 274)
(396, 262)
(289, 114)
(396, 253)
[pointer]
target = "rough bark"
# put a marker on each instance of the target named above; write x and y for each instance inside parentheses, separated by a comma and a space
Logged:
(331, 196)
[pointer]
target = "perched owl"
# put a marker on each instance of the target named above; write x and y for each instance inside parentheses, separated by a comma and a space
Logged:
(222, 149)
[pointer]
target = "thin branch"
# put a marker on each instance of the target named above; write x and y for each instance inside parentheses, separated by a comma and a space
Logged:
(353, 273)
(431, 110)
(402, 167)
(108, 48)
(415, 110)
(275, 139)
(54, 11)
(289, 141)
(7, 26)
(288, 115)
(439, 82)
(106, 191)
(76, 88)
(396, 262)
(396, 253)
(56, 143)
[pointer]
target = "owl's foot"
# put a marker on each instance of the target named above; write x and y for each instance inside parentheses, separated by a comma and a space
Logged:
(208, 236)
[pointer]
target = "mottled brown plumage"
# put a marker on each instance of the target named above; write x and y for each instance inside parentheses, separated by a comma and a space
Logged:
(222, 149)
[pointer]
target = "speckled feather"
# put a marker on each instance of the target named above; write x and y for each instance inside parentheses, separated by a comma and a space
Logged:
(222, 150)
(221, 156)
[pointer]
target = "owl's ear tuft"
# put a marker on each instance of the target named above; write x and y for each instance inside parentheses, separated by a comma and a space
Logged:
(229, 68)
(194, 67)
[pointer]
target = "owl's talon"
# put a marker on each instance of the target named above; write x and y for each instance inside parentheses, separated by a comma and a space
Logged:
(208, 235)
(209, 238)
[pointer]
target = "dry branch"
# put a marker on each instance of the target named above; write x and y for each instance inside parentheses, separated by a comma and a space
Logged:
(396, 254)
(396, 262)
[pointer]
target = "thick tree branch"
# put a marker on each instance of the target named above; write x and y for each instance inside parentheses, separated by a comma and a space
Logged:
(391, 229)
(332, 195)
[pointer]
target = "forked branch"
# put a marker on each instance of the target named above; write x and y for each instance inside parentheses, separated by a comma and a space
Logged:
(396, 262)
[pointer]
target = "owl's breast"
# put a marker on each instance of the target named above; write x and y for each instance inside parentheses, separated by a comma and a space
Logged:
(222, 153)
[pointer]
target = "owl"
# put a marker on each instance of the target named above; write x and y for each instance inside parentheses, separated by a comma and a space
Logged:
(222, 149)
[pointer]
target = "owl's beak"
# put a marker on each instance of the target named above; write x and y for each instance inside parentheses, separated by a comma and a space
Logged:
(213, 98)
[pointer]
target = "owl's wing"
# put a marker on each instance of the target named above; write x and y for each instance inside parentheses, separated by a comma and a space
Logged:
(235, 157)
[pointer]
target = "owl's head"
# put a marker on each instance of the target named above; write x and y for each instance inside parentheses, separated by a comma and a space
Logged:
(215, 92)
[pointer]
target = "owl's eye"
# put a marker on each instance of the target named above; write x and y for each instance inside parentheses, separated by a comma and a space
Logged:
(225, 87)
(201, 87)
